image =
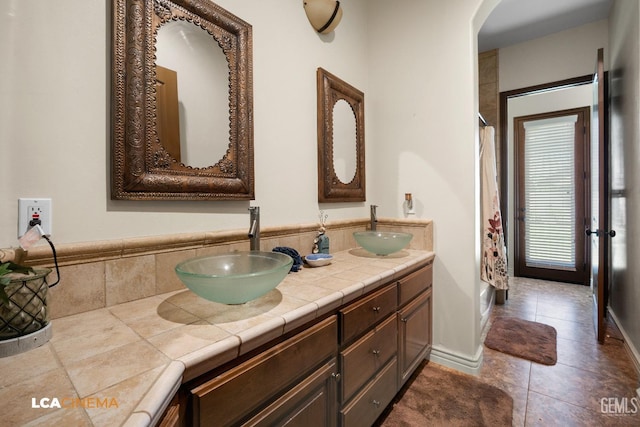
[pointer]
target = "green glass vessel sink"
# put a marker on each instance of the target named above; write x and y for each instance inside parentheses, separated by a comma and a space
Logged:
(234, 277)
(382, 242)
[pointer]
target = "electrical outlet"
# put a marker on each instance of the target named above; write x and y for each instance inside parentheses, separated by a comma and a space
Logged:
(33, 210)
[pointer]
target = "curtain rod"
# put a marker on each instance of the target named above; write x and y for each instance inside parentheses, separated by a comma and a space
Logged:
(484, 122)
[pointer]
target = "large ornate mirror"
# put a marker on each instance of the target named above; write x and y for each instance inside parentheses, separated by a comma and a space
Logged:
(182, 102)
(341, 172)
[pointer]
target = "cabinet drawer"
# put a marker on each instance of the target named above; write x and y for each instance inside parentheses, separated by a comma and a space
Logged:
(414, 283)
(366, 356)
(371, 402)
(227, 398)
(362, 315)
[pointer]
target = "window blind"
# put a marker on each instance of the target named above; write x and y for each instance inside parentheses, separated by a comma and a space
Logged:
(550, 195)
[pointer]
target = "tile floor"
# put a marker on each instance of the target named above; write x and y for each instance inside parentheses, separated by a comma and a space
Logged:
(571, 392)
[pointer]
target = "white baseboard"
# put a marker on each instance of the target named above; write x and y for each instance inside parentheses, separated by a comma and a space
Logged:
(458, 361)
(628, 344)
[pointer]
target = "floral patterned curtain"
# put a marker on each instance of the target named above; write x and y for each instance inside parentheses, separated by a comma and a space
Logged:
(494, 256)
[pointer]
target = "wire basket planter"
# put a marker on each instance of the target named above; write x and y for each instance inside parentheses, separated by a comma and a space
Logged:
(26, 310)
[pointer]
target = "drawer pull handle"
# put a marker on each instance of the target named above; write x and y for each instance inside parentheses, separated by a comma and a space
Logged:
(404, 319)
(336, 376)
(376, 309)
(375, 403)
(376, 352)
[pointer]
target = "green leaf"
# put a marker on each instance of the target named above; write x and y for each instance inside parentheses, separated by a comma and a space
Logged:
(12, 267)
(4, 281)
(4, 269)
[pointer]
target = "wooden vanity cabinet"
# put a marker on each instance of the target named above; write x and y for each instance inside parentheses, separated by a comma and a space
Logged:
(343, 370)
(293, 380)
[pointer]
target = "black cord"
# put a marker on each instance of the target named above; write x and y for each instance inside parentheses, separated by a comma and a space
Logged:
(55, 260)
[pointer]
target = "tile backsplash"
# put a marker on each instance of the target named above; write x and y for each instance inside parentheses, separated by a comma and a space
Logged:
(105, 273)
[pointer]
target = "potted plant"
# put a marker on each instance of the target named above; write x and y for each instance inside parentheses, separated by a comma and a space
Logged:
(23, 294)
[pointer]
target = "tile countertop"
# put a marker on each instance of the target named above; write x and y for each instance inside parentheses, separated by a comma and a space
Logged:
(123, 364)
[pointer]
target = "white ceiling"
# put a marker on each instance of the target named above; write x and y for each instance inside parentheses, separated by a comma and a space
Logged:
(516, 21)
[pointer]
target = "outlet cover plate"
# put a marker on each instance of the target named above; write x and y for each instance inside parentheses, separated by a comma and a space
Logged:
(26, 209)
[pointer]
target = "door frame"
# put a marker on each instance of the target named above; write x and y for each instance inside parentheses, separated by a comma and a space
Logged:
(504, 129)
(581, 273)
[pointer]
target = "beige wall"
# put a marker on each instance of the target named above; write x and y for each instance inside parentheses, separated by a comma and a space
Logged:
(558, 56)
(624, 78)
(424, 127)
(55, 124)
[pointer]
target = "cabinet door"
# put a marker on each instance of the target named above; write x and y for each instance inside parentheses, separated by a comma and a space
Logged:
(414, 339)
(312, 403)
(233, 395)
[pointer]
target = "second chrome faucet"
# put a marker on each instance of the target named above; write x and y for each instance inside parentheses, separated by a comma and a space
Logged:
(254, 228)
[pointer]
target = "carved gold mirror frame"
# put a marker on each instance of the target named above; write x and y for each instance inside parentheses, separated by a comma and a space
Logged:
(332, 89)
(142, 169)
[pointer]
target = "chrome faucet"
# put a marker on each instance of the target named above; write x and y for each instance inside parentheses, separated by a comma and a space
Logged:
(254, 228)
(374, 217)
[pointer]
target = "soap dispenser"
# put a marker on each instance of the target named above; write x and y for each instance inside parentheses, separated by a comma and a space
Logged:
(321, 242)
(408, 205)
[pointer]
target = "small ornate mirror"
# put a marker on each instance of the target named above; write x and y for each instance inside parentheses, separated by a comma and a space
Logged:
(182, 102)
(341, 173)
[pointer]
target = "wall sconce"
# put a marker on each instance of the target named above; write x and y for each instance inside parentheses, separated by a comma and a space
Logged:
(324, 15)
